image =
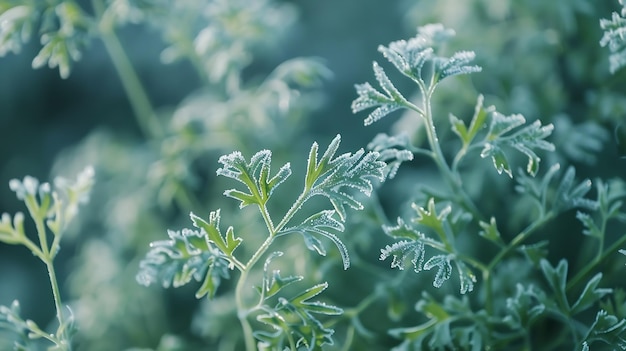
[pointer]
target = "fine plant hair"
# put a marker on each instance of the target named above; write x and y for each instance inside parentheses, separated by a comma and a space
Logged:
(428, 239)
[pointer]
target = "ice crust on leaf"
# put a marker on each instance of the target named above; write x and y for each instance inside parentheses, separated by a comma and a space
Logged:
(393, 150)
(410, 57)
(187, 255)
(330, 176)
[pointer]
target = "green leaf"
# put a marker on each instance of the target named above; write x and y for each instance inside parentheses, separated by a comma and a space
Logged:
(228, 243)
(331, 175)
(254, 175)
(187, 255)
(467, 278)
(490, 231)
(557, 279)
(467, 134)
(590, 295)
(321, 223)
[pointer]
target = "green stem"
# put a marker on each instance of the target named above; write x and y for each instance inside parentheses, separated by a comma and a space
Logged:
(55, 292)
(513, 244)
(452, 180)
(242, 311)
(138, 98)
(596, 262)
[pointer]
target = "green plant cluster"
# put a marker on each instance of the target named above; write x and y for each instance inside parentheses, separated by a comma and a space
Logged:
(508, 225)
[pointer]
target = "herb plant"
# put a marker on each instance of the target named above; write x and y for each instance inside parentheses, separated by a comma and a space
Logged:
(493, 320)
(507, 229)
(51, 211)
(208, 255)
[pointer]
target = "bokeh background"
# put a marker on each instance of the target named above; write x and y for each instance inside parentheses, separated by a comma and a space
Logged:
(539, 58)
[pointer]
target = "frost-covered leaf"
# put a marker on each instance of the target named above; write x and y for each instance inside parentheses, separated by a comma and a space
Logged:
(403, 251)
(255, 175)
(385, 102)
(393, 151)
(502, 136)
(296, 317)
(331, 175)
(467, 278)
(455, 65)
(188, 255)
(228, 243)
(444, 268)
(614, 38)
(322, 223)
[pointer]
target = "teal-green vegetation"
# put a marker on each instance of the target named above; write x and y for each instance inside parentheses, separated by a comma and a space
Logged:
(282, 175)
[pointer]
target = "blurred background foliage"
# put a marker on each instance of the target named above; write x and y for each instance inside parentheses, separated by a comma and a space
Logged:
(227, 75)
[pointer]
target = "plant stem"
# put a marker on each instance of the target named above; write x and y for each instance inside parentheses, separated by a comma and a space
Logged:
(242, 311)
(591, 267)
(440, 160)
(513, 244)
(55, 292)
(138, 98)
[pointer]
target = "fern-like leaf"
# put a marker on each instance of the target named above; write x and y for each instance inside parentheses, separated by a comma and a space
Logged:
(525, 140)
(331, 175)
(322, 223)
(410, 57)
(228, 243)
(187, 255)
(393, 150)
(385, 103)
(295, 317)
